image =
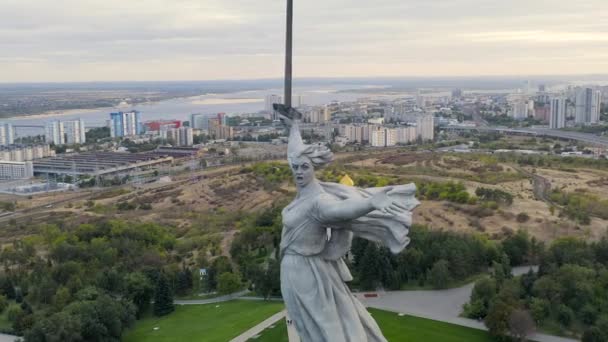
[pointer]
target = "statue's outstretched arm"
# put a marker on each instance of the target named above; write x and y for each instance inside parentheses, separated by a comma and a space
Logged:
(351, 209)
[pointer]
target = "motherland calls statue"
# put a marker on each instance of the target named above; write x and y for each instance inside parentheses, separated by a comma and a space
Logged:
(313, 271)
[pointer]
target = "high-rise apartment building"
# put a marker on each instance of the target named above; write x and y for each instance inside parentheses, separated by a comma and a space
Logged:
(519, 109)
(7, 134)
(186, 136)
(199, 121)
(268, 105)
(420, 101)
(378, 137)
(406, 135)
(456, 93)
(587, 106)
(54, 133)
(65, 132)
(425, 127)
(125, 124)
(557, 118)
(326, 114)
(74, 132)
(382, 137)
(217, 130)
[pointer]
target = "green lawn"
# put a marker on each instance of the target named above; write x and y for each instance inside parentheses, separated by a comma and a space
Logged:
(206, 323)
(398, 329)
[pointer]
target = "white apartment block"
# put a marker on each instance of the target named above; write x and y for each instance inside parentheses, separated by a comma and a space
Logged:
(186, 136)
(268, 105)
(587, 106)
(7, 134)
(425, 127)
(74, 132)
(406, 135)
(65, 132)
(378, 137)
(55, 133)
(326, 114)
(183, 136)
(557, 117)
(519, 110)
(382, 137)
(356, 133)
(10, 170)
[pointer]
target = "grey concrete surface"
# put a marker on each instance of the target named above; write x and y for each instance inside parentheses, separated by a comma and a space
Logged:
(441, 305)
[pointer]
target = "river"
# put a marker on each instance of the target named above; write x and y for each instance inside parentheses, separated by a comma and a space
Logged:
(181, 108)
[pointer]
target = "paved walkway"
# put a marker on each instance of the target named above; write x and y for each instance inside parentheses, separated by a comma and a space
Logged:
(274, 319)
(210, 300)
(441, 305)
(8, 338)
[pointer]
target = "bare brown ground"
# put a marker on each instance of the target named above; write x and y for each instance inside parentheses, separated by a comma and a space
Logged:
(178, 203)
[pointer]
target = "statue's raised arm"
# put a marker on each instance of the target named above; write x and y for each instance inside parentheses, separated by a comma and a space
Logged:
(312, 268)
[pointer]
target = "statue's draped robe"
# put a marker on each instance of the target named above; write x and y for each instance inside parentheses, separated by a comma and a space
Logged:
(313, 272)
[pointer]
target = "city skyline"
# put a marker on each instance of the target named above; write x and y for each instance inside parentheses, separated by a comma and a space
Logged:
(243, 39)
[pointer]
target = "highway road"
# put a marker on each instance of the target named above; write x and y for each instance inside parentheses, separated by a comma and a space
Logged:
(546, 132)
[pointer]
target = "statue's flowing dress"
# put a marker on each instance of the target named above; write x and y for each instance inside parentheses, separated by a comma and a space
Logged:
(313, 272)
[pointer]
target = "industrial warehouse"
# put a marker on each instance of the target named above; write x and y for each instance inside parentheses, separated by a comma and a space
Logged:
(97, 164)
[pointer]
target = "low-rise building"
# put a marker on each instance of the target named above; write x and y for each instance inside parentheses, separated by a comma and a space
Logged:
(11, 170)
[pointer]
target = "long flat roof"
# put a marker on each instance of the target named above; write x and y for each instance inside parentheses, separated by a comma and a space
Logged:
(97, 162)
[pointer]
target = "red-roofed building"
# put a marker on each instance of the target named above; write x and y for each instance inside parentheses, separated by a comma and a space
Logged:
(156, 125)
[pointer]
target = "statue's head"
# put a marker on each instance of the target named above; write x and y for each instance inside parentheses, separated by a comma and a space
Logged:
(304, 159)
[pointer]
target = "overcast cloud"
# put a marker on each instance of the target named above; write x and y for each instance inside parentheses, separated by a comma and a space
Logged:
(106, 40)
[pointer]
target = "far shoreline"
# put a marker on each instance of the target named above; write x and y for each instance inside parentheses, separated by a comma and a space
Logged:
(84, 111)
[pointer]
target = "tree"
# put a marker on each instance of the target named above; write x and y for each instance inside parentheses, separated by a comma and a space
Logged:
(163, 298)
(138, 289)
(267, 280)
(540, 309)
(59, 327)
(498, 316)
(184, 281)
(521, 324)
(62, 298)
(483, 293)
(3, 303)
(439, 275)
(517, 247)
(228, 283)
(369, 267)
(594, 334)
(8, 288)
(565, 315)
(102, 319)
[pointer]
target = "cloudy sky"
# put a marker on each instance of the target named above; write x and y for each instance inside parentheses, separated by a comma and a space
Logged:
(106, 40)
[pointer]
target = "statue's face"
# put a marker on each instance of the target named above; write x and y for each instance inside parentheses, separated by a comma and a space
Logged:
(303, 171)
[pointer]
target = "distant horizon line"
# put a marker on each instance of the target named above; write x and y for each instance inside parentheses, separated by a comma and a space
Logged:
(324, 78)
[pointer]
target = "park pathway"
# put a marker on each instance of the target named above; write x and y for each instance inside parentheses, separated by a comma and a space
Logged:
(438, 305)
(255, 331)
(210, 300)
(441, 305)
(8, 338)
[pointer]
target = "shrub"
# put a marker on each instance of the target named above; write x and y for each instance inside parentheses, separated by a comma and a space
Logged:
(523, 217)
(3, 303)
(565, 315)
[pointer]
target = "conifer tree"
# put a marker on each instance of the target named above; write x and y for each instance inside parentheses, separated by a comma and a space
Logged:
(163, 298)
